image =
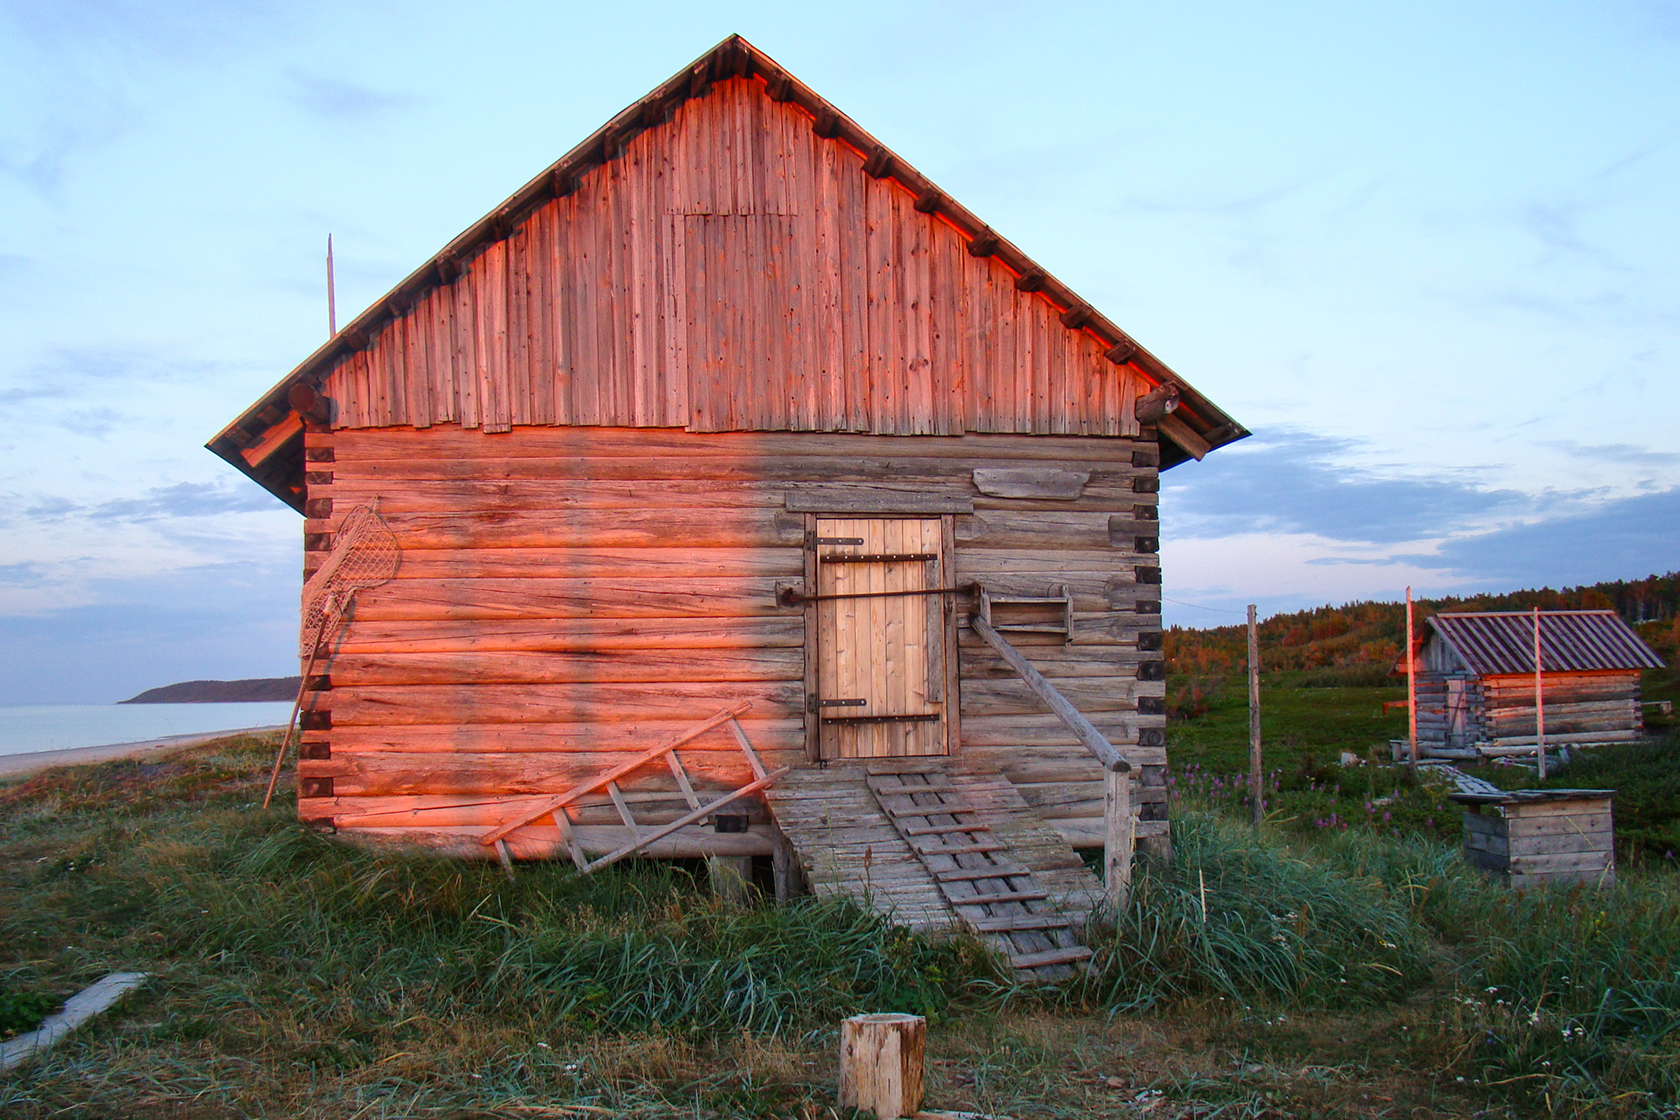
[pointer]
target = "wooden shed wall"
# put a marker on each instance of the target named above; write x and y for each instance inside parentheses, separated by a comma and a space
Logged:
(568, 594)
(1601, 707)
(734, 271)
(1595, 707)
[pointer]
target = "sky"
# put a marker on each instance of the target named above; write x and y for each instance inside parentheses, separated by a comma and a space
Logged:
(1427, 252)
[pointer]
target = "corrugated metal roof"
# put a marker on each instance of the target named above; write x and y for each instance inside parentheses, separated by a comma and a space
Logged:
(1495, 642)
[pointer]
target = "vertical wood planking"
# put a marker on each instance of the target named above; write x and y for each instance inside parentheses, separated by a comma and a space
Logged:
(838, 306)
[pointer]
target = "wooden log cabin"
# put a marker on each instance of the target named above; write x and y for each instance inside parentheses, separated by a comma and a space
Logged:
(1475, 681)
(723, 432)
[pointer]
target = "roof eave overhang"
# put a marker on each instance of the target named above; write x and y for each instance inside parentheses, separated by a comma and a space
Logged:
(1196, 427)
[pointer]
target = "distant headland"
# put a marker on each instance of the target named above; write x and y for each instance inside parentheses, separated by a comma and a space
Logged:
(258, 690)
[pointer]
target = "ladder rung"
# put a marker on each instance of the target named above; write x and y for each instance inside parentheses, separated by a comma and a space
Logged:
(1051, 956)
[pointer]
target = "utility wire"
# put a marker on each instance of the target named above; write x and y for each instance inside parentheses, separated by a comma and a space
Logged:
(1198, 606)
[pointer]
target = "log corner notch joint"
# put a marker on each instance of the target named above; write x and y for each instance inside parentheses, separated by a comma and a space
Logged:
(265, 442)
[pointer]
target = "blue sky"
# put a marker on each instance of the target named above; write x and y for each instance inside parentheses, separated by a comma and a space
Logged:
(1426, 252)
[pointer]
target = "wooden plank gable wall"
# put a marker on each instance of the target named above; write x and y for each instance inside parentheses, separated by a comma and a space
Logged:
(732, 270)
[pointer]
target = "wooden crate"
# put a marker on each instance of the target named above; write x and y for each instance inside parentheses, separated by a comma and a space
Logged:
(1528, 837)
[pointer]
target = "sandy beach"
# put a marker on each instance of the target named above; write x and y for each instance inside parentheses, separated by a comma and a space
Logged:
(19, 765)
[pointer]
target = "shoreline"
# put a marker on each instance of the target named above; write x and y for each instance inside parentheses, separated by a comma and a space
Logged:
(19, 765)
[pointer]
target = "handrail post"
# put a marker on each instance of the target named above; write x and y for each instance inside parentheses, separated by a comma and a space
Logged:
(1119, 836)
(1119, 827)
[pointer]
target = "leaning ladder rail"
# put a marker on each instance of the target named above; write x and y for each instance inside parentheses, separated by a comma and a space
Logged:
(608, 781)
(1119, 820)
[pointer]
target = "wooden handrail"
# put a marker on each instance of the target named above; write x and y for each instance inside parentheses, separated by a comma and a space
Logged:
(1071, 717)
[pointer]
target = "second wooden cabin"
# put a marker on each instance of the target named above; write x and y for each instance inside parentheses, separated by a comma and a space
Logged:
(722, 432)
(1476, 680)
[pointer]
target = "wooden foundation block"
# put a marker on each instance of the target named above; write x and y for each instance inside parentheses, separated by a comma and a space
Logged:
(881, 1064)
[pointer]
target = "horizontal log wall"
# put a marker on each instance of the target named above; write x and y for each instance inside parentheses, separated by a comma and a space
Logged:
(1598, 707)
(568, 595)
(732, 270)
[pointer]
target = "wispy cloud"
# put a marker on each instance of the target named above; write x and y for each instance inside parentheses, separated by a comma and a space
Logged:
(1619, 538)
(180, 500)
(337, 99)
(1298, 482)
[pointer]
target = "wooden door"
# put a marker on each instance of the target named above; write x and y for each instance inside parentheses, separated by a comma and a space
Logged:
(1458, 711)
(880, 640)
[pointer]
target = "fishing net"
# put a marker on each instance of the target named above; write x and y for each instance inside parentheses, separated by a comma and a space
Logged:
(365, 554)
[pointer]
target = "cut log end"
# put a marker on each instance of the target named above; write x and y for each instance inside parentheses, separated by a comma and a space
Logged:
(882, 1059)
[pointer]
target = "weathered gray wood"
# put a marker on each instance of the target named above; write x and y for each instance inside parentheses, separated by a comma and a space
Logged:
(1118, 840)
(882, 1061)
(1030, 482)
(78, 1009)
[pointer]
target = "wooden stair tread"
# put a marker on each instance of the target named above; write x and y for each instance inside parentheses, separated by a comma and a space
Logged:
(895, 790)
(1019, 922)
(1005, 896)
(960, 849)
(943, 829)
(960, 874)
(1051, 956)
(842, 816)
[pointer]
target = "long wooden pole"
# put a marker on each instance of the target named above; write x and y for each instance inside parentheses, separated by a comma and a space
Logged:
(1539, 704)
(332, 302)
(1411, 687)
(1257, 813)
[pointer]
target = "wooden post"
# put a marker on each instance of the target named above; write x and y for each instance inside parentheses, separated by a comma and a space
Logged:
(881, 1064)
(730, 877)
(1255, 779)
(332, 302)
(1119, 831)
(784, 867)
(1411, 688)
(1539, 704)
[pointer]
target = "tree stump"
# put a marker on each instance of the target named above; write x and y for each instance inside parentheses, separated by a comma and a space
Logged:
(881, 1062)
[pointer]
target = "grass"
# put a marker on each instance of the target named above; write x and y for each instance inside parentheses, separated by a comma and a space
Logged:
(1300, 972)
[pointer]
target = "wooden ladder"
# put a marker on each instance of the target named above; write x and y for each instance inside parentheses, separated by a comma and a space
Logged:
(990, 892)
(640, 835)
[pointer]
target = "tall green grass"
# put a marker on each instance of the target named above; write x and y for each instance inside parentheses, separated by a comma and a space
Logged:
(1566, 992)
(1240, 918)
(645, 947)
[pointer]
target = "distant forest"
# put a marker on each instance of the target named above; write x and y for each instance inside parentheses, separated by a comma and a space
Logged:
(1361, 642)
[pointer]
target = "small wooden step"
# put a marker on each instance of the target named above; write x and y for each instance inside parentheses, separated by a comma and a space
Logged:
(959, 874)
(943, 829)
(1051, 956)
(1007, 896)
(961, 849)
(931, 787)
(1021, 922)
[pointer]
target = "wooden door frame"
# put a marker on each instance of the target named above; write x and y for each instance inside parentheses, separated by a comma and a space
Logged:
(953, 677)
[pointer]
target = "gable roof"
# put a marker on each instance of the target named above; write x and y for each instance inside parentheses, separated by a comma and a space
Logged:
(1493, 643)
(265, 441)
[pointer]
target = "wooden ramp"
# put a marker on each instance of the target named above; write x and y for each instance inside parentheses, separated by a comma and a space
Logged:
(937, 845)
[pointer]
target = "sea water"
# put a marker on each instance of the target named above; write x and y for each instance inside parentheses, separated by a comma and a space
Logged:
(26, 728)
